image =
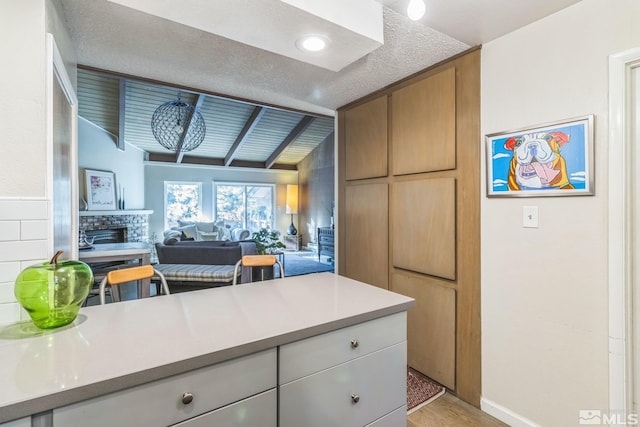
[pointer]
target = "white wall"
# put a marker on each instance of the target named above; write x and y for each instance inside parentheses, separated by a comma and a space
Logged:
(97, 151)
(24, 201)
(156, 174)
(22, 109)
(544, 290)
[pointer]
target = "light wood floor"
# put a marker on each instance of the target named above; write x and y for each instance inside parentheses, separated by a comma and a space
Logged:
(449, 411)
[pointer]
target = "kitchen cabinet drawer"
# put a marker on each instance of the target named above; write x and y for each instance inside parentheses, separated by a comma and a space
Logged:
(396, 418)
(352, 394)
(256, 411)
(323, 351)
(161, 402)
(22, 422)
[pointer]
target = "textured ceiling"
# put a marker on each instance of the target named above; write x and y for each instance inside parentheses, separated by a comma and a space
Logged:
(115, 38)
(355, 24)
(112, 37)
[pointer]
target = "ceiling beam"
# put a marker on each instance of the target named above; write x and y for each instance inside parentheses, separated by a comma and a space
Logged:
(122, 97)
(210, 161)
(196, 107)
(295, 133)
(249, 126)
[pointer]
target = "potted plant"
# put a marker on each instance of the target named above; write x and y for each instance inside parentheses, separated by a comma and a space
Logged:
(267, 242)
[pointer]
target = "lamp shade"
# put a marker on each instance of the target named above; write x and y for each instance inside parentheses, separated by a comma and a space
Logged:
(292, 199)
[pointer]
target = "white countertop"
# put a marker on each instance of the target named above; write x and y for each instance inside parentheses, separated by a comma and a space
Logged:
(115, 346)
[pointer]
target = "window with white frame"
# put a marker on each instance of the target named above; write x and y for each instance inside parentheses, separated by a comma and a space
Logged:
(182, 201)
(242, 205)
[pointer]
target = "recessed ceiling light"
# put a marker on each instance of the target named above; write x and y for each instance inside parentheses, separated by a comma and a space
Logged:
(312, 43)
(416, 9)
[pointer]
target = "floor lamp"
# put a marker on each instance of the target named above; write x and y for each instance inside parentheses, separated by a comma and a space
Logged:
(292, 206)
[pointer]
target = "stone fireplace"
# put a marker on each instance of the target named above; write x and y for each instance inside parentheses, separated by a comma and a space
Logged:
(116, 226)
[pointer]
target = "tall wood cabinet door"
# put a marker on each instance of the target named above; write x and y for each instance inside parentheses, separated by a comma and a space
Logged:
(366, 235)
(423, 125)
(423, 226)
(431, 326)
(366, 140)
(433, 212)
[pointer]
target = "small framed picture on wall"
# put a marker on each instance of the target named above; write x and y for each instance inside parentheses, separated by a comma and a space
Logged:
(100, 190)
(554, 159)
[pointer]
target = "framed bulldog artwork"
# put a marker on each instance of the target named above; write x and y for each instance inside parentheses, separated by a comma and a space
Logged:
(554, 159)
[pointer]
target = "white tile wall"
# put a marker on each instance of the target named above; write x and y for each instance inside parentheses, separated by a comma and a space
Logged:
(6, 291)
(34, 230)
(11, 209)
(9, 230)
(23, 242)
(8, 271)
(10, 313)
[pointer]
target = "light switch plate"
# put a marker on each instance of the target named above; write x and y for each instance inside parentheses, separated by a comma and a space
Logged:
(530, 216)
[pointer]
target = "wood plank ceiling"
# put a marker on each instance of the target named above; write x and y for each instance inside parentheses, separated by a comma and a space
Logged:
(239, 134)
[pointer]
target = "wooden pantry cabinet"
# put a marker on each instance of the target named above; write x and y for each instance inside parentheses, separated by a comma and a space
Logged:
(408, 173)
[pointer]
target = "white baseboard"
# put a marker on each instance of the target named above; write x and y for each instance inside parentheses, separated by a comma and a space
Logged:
(505, 415)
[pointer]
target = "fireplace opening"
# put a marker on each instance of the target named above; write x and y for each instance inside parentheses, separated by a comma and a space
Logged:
(107, 235)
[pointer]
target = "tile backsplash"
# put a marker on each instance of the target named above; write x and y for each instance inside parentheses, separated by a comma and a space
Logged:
(23, 241)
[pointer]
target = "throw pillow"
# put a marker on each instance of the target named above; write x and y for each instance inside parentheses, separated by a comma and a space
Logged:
(171, 240)
(224, 233)
(185, 237)
(207, 227)
(172, 233)
(183, 223)
(190, 231)
(203, 235)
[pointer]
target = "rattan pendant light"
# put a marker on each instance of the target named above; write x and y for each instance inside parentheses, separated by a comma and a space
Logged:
(178, 126)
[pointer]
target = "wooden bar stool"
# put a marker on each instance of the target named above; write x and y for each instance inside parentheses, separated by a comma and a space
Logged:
(118, 277)
(257, 261)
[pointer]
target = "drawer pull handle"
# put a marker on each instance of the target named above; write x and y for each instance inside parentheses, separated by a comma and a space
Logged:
(355, 398)
(354, 343)
(187, 398)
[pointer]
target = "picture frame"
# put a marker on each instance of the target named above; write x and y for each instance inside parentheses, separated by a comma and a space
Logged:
(100, 190)
(553, 159)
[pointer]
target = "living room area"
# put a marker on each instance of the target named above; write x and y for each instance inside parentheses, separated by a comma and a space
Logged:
(156, 199)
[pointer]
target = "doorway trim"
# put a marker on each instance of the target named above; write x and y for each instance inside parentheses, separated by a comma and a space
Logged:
(620, 227)
(62, 155)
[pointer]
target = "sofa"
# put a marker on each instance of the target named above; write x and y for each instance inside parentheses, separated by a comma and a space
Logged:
(189, 265)
(204, 231)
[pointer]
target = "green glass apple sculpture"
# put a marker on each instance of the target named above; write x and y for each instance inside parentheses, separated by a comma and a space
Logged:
(53, 291)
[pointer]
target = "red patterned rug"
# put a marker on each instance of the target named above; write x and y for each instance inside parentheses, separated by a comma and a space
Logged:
(421, 390)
